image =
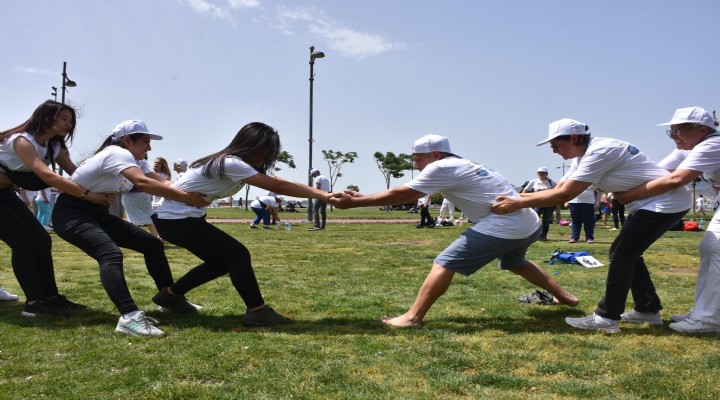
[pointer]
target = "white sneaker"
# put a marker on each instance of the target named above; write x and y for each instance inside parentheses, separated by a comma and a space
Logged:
(594, 322)
(679, 317)
(692, 325)
(138, 325)
(7, 296)
(613, 229)
(641, 317)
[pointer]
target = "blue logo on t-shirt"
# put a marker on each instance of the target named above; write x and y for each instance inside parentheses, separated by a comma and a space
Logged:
(633, 150)
(482, 171)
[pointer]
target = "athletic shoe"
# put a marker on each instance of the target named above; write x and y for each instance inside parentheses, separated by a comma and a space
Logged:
(692, 325)
(538, 297)
(266, 227)
(252, 227)
(642, 317)
(594, 322)
(62, 302)
(572, 241)
(542, 238)
(315, 228)
(613, 229)
(590, 241)
(178, 304)
(7, 296)
(42, 307)
(138, 325)
(266, 317)
(679, 317)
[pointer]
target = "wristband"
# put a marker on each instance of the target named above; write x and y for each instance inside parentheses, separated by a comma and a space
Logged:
(84, 196)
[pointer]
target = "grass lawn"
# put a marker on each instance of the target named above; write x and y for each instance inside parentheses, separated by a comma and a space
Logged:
(478, 342)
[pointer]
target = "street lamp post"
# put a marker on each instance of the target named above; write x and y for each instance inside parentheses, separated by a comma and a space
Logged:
(563, 168)
(65, 82)
(313, 55)
(54, 92)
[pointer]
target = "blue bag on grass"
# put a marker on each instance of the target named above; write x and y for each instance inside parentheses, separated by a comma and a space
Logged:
(564, 257)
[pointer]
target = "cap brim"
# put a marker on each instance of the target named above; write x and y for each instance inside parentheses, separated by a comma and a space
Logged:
(544, 141)
(155, 137)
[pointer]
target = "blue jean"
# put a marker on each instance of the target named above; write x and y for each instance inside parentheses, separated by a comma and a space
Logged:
(221, 254)
(627, 271)
(262, 214)
(583, 216)
(92, 229)
(31, 247)
(44, 212)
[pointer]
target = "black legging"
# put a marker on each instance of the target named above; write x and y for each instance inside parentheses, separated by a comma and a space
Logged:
(618, 212)
(31, 247)
(221, 254)
(100, 235)
(425, 217)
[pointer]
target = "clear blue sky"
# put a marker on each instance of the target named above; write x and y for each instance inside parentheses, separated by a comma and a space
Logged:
(489, 75)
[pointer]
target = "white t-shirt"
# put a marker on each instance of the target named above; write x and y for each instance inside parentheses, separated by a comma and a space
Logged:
(10, 159)
(704, 157)
(616, 166)
(236, 171)
(324, 183)
(587, 196)
(537, 185)
(101, 173)
(473, 188)
(268, 201)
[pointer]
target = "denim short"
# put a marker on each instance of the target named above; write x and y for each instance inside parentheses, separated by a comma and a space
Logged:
(473, 250)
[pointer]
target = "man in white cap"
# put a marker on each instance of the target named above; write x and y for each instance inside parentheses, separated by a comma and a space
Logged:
(320, 207)
(180, 166)
(473, 188)
(542, 182)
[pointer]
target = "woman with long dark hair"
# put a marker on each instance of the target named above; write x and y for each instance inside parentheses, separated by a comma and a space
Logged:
(100, 234)
(26, 154)
(245, 160)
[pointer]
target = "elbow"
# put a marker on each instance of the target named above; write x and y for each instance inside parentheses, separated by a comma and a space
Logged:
(675, 182)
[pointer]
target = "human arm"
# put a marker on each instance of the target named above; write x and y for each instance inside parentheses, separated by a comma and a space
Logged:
(673, 180)
(396, 195)
(24, 197)
(43, 194)
(150, 185)
(26, 151)
(288, 188)
(564, 191)
(64, 161)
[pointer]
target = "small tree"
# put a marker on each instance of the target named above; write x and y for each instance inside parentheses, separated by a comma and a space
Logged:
(335, 161)
(285, 158)
(392, 166)
(354, 188)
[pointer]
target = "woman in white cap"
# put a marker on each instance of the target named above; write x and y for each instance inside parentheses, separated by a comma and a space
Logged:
(26, 153)
(697, 153)
(542, 182)
(252, 152)
(100, 235)
(612, 165)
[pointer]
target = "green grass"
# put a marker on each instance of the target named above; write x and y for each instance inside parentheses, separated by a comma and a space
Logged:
(356, 213)
(477, 342)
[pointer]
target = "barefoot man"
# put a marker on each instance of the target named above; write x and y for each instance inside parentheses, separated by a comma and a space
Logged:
(472, 188)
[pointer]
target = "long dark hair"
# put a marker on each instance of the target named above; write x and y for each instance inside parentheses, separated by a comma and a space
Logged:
(252, 139)
(41, 121)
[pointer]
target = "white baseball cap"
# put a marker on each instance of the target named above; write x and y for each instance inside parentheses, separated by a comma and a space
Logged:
(314, 171)
(181, 163)
(430, 143)
(543, 169)
(132, 126)
(692, 115)
(564, 127)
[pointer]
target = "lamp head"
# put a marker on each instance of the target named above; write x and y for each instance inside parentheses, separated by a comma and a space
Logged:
(70, 83)
(317, 54)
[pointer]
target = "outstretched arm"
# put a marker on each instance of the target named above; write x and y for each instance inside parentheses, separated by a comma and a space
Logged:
(396, 195)
(563, 192)
(149, 185)
(288, 188)
(673, 180)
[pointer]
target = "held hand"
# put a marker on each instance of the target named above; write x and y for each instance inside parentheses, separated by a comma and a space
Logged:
(505, 205)
(352, 193)
(342, 202)
(196, 199)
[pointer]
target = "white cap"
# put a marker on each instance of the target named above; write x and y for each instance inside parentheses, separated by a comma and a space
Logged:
(692, 115)
(314, 171)
(543, 169)
(430, 143)
(182, 163)
(564, 127)
(132, 126)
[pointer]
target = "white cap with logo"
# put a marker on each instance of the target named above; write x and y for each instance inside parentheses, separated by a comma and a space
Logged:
(430, 143)
(692, 115)
(564, 127)
(543, 170)
(132, 126)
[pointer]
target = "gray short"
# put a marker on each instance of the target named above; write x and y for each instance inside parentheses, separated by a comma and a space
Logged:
(473, 250)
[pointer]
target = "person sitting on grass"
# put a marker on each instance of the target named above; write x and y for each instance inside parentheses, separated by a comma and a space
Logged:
(473, 188)
(252, 151)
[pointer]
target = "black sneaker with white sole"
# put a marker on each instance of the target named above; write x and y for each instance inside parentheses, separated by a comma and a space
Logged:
(42, 307)
(266, 317)
(62, 302)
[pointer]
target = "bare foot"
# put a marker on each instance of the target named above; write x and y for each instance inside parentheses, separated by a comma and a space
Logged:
(572, 302)
(400, 322)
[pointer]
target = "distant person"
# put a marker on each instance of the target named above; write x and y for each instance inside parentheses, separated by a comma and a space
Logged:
(180, 166)
(252, 152)
(426, 220)
(613, 166)
(618, 212)
(697, 153)
(539, 184)
(320, 206)
(161, 167)
(605, 208)
(261, 206)
(582, 214)
(43, 199)
(700, 205)
(446, 215)
(138, 204)
(473, 188)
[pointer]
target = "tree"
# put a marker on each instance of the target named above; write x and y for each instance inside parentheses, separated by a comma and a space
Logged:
(335, 161)
(354, 188)
(392, 166)
(285, 158)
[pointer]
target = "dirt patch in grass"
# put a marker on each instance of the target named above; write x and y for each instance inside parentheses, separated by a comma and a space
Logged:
(408, 243)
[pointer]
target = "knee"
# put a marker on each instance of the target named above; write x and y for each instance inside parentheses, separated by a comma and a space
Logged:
(110, 259)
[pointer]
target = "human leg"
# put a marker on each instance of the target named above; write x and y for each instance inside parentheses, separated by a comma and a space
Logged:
(43, 213)
(323, 213)
(435, 285)
(532, 273)
(587, 215)
(316, 211)
(259, 213)
(707, 290)
(576, 217)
